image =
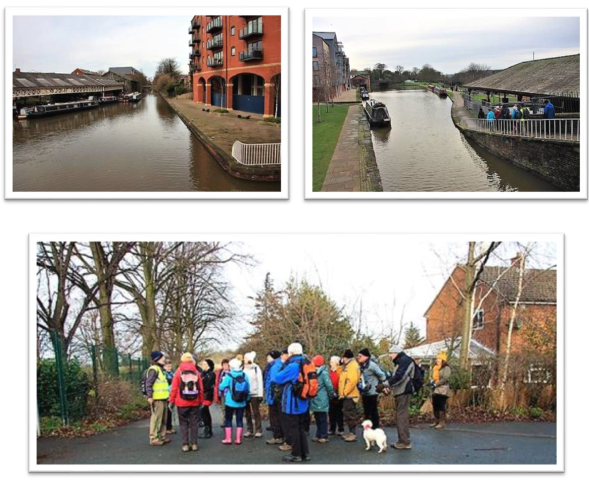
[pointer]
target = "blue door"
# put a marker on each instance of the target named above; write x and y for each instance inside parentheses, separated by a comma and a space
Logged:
(218, 100)
(249, 103)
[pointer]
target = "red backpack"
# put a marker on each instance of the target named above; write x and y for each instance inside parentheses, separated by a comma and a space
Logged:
(307, 384)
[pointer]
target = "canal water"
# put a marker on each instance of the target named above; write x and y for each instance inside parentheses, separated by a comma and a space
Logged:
(118, 147)
(424, 151)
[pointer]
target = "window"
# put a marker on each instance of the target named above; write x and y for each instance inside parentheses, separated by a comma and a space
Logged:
(233, 51)
(478, 321)
(232, 31)
(315, 65)
(314, 52)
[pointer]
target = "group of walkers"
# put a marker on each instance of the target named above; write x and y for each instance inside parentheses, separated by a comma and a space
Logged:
(517, 116)
(295, 388)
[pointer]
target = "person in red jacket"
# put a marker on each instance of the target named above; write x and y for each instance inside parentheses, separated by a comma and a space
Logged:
(187, 395)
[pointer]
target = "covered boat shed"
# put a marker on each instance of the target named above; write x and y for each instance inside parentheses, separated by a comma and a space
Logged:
(557, 79)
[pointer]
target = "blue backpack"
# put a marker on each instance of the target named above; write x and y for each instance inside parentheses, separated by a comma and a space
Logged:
(240, 389)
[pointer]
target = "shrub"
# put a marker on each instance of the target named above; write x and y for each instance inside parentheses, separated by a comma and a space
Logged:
(162, 81)
(76, 384)
(220, 110)
(180, 90)
(114, 396)
(536, 412)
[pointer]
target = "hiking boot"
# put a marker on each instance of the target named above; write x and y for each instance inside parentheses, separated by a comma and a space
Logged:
(350, 437)
(323, 440)
(275, 441)
(156, 443)
(170, 432)
(341, 434)
(306, 458)
(166, 440)
(292, 459)
(442, 423)
(207, 433)
(249, 434)
(194, 447)
(315, 439)
(285, 447)
(258, 435)
(402, 446)
(433, 424)
(331, 434)
(185, 448)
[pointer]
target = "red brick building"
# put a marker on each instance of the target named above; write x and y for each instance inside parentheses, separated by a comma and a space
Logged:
(497, 288)
(235, 62)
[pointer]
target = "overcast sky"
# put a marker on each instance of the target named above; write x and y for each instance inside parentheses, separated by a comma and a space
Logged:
(61, 44)
(388, 274)
(450, 44)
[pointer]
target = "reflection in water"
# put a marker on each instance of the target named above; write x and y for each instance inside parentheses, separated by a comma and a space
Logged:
(118, 147)
(423, 151)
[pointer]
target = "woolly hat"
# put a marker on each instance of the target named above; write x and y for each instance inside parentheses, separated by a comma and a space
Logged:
(348, 354)
(295, 349)
(443, 355)
(274, 354)
(156, 355)
(235, 364)
(249, 357)
(395, 349)
(364, 352)
(318, 360)
(187, 358)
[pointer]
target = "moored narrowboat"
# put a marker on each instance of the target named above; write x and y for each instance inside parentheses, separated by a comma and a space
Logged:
(441, 92)
(39, 111)
(132, 97)
(377, 114)
(108, 99)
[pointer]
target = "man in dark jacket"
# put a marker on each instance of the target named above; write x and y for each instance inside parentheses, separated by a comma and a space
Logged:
(402, 388)
(209, 379)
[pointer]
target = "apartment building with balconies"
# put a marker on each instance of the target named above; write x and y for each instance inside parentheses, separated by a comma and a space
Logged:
(235, 62)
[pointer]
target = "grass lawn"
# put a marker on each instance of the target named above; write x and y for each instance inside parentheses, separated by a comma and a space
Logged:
(325, 137)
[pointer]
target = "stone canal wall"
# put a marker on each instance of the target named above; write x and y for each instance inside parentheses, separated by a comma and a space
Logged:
(224, 158)
(555, 161)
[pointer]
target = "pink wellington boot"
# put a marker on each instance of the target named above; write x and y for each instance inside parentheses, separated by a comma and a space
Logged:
(238, 435)
(227, 439)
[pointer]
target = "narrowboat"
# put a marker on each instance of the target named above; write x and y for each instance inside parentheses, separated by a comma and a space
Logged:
(430, 88)
(441, 92)
(39, 111)
(108, 99)
(377, 114)
(132, 97)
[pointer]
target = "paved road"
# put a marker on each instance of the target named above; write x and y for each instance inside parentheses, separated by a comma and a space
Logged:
(505, 443)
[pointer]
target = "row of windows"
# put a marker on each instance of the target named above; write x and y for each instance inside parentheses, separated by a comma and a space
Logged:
(252, 25)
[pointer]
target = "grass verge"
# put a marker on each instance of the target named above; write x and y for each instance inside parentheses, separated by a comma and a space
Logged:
(325, 137)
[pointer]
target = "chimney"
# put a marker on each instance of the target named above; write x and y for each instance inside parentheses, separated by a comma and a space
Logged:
(518, 257)
(17, 70)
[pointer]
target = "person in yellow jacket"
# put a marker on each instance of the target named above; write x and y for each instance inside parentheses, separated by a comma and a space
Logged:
(349, 394)
(158, 392)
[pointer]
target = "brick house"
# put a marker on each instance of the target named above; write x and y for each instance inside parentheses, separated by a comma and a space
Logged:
(235, 62)
(495, 294)
(321, 69)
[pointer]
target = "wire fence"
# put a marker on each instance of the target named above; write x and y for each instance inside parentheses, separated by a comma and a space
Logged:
(68, 387)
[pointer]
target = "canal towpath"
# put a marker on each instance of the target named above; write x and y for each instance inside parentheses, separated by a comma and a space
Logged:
(459, 111)
(225, 128)
(349, 96)
(353, 165)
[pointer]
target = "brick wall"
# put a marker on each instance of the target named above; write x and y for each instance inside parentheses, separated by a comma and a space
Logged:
(557, 162)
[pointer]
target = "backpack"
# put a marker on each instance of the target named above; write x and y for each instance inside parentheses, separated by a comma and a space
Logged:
(307, 384)
(526, 113)
(240, 389)
(417, 378)
(189, 385)
(517, 114)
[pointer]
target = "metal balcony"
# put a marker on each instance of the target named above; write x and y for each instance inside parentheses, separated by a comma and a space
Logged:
(216, 24)
(195, 24)
(190, 29)
(250, 55)
(214, 62)
(214, 44)
(251, 31)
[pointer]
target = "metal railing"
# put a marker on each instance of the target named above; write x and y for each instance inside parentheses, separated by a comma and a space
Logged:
(215, 43)
(214, 61)
(554, 129)
(256, 153)
(251, 30)
(215, 24)
(251, 55)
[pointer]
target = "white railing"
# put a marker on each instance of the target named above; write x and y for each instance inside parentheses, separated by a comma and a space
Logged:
(556, 128)
(256, 153)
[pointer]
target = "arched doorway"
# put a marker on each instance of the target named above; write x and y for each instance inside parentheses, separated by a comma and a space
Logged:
(248, 93)
(218, 90)
(201, 90)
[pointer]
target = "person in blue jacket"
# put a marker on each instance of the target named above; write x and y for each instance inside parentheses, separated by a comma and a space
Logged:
(274, 363)
(233, 406)
(294, 407)
(490, 118)
(549, 114)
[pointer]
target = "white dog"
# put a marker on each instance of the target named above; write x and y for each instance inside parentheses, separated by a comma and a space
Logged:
(374, 437)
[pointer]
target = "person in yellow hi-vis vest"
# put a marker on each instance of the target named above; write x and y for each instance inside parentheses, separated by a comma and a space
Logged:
(157, 390)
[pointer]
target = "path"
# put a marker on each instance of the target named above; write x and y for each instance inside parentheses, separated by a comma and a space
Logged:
(504, 443)
(459, 111)
(353, 165)
(225, 128)
(346, 97)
